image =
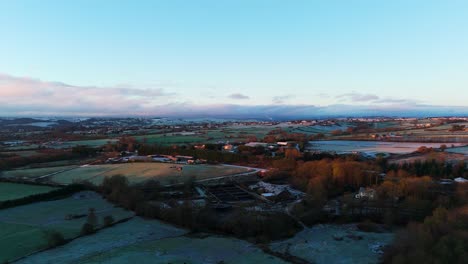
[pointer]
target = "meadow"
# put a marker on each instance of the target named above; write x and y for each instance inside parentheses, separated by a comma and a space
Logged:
(165, 173)
(334, 244)
(23, 228)
(12, 191)
(33, 173)
(461, 150)
(369, 147)
(151, 241)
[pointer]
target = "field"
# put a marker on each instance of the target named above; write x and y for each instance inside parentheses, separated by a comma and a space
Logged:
(12, 191)
(369, 147)
(33, 173)
(90, 143)
(318, 245)
(25, 153)
(22, 228)
(139, 172)
(461, 150)
(151, 241)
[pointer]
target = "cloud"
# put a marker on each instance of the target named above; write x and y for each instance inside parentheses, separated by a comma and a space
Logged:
(282, 99)
(358, 97)
(21, 96)
(27, 95)
(238, 96)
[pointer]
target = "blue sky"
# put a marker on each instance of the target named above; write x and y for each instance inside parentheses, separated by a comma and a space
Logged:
(209, 54)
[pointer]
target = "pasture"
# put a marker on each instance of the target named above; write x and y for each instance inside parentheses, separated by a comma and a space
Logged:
(151, 241)
(33, 172)
(368, 147)
(319, 244)
(12, 191)
(461, 150)
(165, 173)
(90, 143)
(22, 228)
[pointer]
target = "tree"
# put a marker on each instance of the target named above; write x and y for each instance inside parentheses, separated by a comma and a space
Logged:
(108, 220)
(54, 239)
(92, 218)
(87, 229)
(443, 147)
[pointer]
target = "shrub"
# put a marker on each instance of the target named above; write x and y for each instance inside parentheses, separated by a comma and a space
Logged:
(108, 220)
(87, 229)
(54, 239)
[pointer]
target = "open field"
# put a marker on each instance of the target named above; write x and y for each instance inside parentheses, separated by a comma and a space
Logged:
(134, 231)
(22, 228)
(318, 244)
(369, 147)
(90, 143)
(12, 191)
(151, 241)
(33, 173)
(25, 153)
(165, 173)
(461, 150)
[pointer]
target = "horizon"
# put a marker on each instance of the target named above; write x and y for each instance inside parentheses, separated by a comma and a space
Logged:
(261, 59)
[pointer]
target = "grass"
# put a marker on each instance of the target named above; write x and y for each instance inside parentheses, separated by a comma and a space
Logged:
(33, 173)
(22, 228)
(370, 147)
(12, 191)
(90, 143)
(140, 172)
(461, 150)
(187, 250)
(151, 241)
(318, 244)
(25, 153)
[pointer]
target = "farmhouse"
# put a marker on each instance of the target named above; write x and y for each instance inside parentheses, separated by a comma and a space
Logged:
(368, 193)
(256, 144)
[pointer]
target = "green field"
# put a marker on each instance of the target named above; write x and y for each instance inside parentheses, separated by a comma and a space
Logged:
(90, 143)
(212, 249)
(461, 150)
(318, 245)
(151, 241)
(33, 173)
(22, 228)
(25, 153)
(139, 172)
(12, 191)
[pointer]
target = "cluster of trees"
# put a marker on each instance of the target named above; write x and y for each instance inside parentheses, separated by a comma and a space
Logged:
(330, 177)
(240, 222)
(256, 226)
(441, 238)
(44, 156)
(433, 168)
(457, 128)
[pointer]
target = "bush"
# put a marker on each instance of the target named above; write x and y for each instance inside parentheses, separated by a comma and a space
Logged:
(54, 239)
(87, 229)
(108, 220)
(369, 226)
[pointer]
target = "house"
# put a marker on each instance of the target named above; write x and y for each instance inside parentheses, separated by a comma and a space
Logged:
(183, 159)
(228, 147)
(460, 180)
(368, 193)
(256, 144)
(199, 146)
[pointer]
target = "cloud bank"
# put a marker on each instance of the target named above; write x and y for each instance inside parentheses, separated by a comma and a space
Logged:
(21, 96)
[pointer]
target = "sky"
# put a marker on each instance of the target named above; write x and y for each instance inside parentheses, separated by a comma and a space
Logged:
(233, 58)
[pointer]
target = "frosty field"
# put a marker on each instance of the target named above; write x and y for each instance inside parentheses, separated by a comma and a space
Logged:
(12, 191)
(22, 228)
